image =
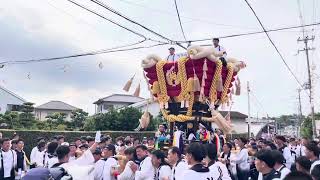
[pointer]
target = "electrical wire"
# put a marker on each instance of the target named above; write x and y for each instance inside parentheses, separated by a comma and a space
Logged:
(192, 19)
(134, 22)
(178, 14)
(275, 47)
(105, 18)
(252, 33)
(79, 55)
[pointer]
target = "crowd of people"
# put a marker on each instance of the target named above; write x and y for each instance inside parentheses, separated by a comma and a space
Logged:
(129, 158)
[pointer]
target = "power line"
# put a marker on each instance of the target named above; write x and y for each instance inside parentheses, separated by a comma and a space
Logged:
(184, 36)
(105, 51)
(275, 47)
(185, 17)
(253, 33)
(134, 22)
(113, 22)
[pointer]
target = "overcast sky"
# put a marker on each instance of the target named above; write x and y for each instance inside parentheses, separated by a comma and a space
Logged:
(50, 28)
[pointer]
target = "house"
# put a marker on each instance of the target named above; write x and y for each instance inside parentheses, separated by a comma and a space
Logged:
(115, 101)
(153, 107)
(42, 111)
(9, 101)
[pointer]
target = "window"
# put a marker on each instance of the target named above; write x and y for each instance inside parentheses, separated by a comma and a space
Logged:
(108, 106)
(13, 107)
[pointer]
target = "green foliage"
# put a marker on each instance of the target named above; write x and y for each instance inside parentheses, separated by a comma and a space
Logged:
(78, 118)
(306, 128)
(127, 119)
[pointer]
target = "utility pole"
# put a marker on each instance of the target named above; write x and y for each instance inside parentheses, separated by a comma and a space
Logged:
(249, 116)
(309, 86)
(299, 113)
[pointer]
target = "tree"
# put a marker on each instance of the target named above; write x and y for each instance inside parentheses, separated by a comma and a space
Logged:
(11, 119)
(306, 127)
(55, 119)
(78, 118)
(26, 118)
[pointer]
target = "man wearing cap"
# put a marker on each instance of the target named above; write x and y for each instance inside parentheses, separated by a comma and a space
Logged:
(220, 49)
(104, 166)
(282, 147)
(172, 57)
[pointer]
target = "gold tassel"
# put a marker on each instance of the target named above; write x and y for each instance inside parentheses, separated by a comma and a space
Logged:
(128, 84)
(238, 87)
(137, 91)
(220, 85)
(196, 83)
(190, 85)
(155, 88)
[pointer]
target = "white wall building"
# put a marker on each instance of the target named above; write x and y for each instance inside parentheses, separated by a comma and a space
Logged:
(51, 107)
(115, 101)
(9, 101)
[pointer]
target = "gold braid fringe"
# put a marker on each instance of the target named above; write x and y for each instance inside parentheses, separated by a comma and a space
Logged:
(163, 97)
(224, 97)
(215, 79)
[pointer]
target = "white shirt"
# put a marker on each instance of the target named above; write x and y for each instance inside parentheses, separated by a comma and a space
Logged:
(221, 49)
(287, 156)
(9, 162)
(37, 157)
(242, 159)
(163, 172)
(127, 173)
(146, 170)
(175, 57)
(193, 175)
(178, 170)
(219, 171)
(284, 171)
(314, 164)
(103, 169)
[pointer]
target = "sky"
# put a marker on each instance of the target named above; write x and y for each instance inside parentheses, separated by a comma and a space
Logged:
(51, 28)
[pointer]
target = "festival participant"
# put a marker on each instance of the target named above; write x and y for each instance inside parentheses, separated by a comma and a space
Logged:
(163, 169)
(312, 153)
(218, 169)
(60, 139)
(315, 173)
(50, 157)
(177, 163)
(303, 164)
(241, 160)
(280, 141)
(226, 157)
(220, 49)
(172, 57)
(204, 135)
(296, 175)
(8, 160)
(265, 163)
(127, 173)
(14, 144)
(38, 156)
(146, 170)
(37, 152)
(279, 164)
(161, 136)
(195, 153)
(97, 155)
(304, 142)
(72, 154)
(77, 142)
(21, 157)
(103, 168)
(294, 149)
